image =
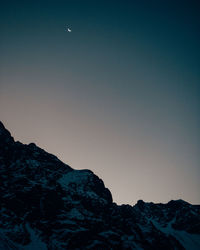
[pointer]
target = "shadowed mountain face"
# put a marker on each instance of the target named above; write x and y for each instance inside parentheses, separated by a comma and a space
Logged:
(45, 204)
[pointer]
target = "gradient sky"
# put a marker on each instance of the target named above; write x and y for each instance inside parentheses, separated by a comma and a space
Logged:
(119, 95)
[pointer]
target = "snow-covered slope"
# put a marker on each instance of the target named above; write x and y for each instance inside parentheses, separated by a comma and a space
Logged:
(45, 204)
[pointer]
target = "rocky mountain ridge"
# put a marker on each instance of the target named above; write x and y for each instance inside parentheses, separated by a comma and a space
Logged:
(45, 204)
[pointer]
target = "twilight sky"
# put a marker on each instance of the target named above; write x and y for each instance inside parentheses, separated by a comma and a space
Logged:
(119, 95)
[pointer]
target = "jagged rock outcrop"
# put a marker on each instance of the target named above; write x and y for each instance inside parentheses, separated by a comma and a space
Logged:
(45, 204)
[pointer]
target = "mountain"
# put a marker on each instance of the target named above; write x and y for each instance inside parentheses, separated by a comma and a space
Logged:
(45, 204)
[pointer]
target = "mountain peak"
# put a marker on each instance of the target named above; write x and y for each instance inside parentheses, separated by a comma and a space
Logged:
(5, 136)
(2, 128)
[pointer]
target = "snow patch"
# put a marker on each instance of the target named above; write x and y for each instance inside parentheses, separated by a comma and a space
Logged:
(79, 180)
(188, 241)
(36, 242)
(77, 176)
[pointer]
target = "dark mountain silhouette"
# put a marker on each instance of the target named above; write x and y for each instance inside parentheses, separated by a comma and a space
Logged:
(45, 204)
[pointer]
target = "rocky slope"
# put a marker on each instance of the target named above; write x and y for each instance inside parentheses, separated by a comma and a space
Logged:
(45, 204)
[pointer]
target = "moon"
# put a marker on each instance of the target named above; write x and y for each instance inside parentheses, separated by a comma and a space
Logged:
(68, 29)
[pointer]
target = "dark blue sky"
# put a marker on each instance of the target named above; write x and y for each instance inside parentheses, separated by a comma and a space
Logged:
(118, 95)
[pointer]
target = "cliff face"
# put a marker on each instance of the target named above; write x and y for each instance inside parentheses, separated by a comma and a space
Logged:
(45, 204)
